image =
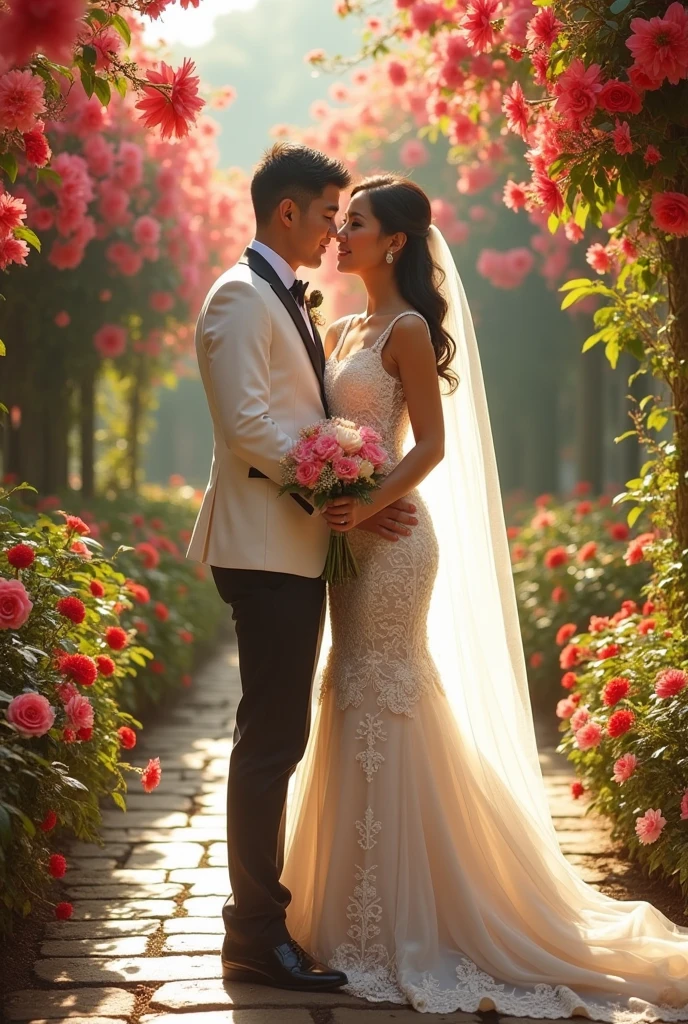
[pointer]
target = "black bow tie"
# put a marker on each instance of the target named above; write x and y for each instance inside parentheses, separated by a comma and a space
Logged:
(298, 290)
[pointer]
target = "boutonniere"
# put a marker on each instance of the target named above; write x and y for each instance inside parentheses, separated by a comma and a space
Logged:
(313, 300)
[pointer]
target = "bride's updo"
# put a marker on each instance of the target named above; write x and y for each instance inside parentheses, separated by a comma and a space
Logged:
(401, 205)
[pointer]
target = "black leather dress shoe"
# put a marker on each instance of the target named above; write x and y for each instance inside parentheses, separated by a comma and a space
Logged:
(283, 966)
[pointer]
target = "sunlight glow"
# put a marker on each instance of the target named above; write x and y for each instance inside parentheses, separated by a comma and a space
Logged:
(195, 26)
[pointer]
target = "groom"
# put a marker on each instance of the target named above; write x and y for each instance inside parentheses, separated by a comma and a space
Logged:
(262, 365)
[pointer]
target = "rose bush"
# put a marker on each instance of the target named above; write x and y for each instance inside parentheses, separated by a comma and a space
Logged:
(87, 642)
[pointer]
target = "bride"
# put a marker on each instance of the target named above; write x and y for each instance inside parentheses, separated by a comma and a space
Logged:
(421, 853)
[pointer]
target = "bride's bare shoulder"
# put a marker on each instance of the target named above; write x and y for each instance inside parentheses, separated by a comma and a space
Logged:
(333, 334)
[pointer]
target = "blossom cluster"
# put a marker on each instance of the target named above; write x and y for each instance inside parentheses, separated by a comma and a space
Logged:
(331, 456)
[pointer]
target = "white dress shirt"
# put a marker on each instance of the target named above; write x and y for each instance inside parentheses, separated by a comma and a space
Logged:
(284, 272)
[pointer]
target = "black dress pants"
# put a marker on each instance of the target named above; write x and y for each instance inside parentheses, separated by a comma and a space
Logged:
(279, 623)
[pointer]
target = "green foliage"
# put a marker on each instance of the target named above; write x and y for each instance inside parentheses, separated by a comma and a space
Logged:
(69, 773)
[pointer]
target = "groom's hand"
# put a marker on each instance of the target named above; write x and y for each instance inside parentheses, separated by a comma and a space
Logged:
(393, 522)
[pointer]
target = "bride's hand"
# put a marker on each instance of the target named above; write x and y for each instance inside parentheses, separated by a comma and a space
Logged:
(343, 514)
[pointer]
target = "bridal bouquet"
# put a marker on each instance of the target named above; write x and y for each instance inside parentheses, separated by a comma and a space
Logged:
(332, 459)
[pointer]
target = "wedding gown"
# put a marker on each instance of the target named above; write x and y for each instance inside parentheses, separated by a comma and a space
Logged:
(408, 869)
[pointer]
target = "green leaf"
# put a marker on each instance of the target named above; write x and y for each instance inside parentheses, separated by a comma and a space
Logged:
(119, 800)
(8, 162)
(552, 223)
(28, 236)
(3, 350)
(617, 7)
(121, 86)
(102, 90)
(578, 283)
(95, 14)
(5, 826)
(657, 420)
(88, 81)
(622, 437)
(90, 55)
(121, 26)
(74, 783)
(574, 296)
(633, 515)
(48, 175)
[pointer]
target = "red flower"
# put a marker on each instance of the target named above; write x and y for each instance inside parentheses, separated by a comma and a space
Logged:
(140, 593)
(516, 110)
(652, 155)
(157, 667)
(543, 29)
(148, 555)
(85, 732)
(78, 667)
(20, 556)
(570, 656)
(57, 865)
(587, 551)
(615, 690)
(619, 98)
(68, 735)
(555, 557)
(116, 638)
(97, 588)
(618, 531)
(72, 608)
(646, 626)
(106, 666)
(577, 789)
(569, 680)
(536, 659)
(150, 777)
(161, 611)
(670, 681)
(186, 680)
(620, 722)
(609, 651)
(670, 211)
(76, 524)
(175, 106)
(127, 737)
(49, 822)
(565, 632)
(559, 595)
(36, 148)
(186, 636)
(648, 608)
(583, 508)
(63, 911)
(548, 193)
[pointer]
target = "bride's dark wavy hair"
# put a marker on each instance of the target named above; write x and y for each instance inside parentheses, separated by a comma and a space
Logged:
(401, 205)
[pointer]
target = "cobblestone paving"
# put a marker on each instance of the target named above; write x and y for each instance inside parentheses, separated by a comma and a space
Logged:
(143, 943)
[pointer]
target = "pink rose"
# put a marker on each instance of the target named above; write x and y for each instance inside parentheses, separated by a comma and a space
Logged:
(589, 736)
(308, 473)
(80, 712)
(15, 604)
(579, 718)
(30, 714)
(345, 468)
(303, 451)
(670, 212)
(565, 707)
(326, 447)
(373, 453)
(368, 434)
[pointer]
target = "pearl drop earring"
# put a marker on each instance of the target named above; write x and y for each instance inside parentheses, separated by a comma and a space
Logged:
(389, 257)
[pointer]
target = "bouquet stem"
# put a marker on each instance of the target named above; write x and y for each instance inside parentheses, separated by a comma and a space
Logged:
(340, 565)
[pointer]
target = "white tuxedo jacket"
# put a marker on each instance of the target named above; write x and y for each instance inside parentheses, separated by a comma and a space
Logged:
(262, 371)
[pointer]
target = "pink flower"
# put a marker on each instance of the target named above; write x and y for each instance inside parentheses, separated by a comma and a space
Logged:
(543, 29)
(621, 137)
(648, 827)
(652, 155)
(413, 153)
(15, 604)
(660, 45)
(368, 434)
(515, 195)
(577, 90)
(579, 718)
(110, 340)
(173, 108)
(477, 24)
(161, 302)
(30, 714)
(303, 451)
(619, 97)
(373, 453)
(397, 73)
(62, 319)
(147, 231)
(548, 193)
(151, 775)
(79, 711)
(48, 26)
(670, 681)
(424, 15)
(670, 212)
(588, 736)
(12, 213)
(326, 447)
(516, 110)
(624, 768)
(21, 100)
(565, 632)
(565, 708)
(587, 551)
(598, 258)
(308, 473)
(345, 468)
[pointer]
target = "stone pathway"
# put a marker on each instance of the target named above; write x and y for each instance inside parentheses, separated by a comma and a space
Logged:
(143, 942)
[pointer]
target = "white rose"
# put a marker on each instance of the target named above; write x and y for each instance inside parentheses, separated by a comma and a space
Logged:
(350, 440)
(366, 469)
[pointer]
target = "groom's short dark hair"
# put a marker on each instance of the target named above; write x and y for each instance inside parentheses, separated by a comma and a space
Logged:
(289, 170)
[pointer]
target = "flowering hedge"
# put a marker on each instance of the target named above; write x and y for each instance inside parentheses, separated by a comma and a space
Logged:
(624, 723)
(86, 642)
(571, 560)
